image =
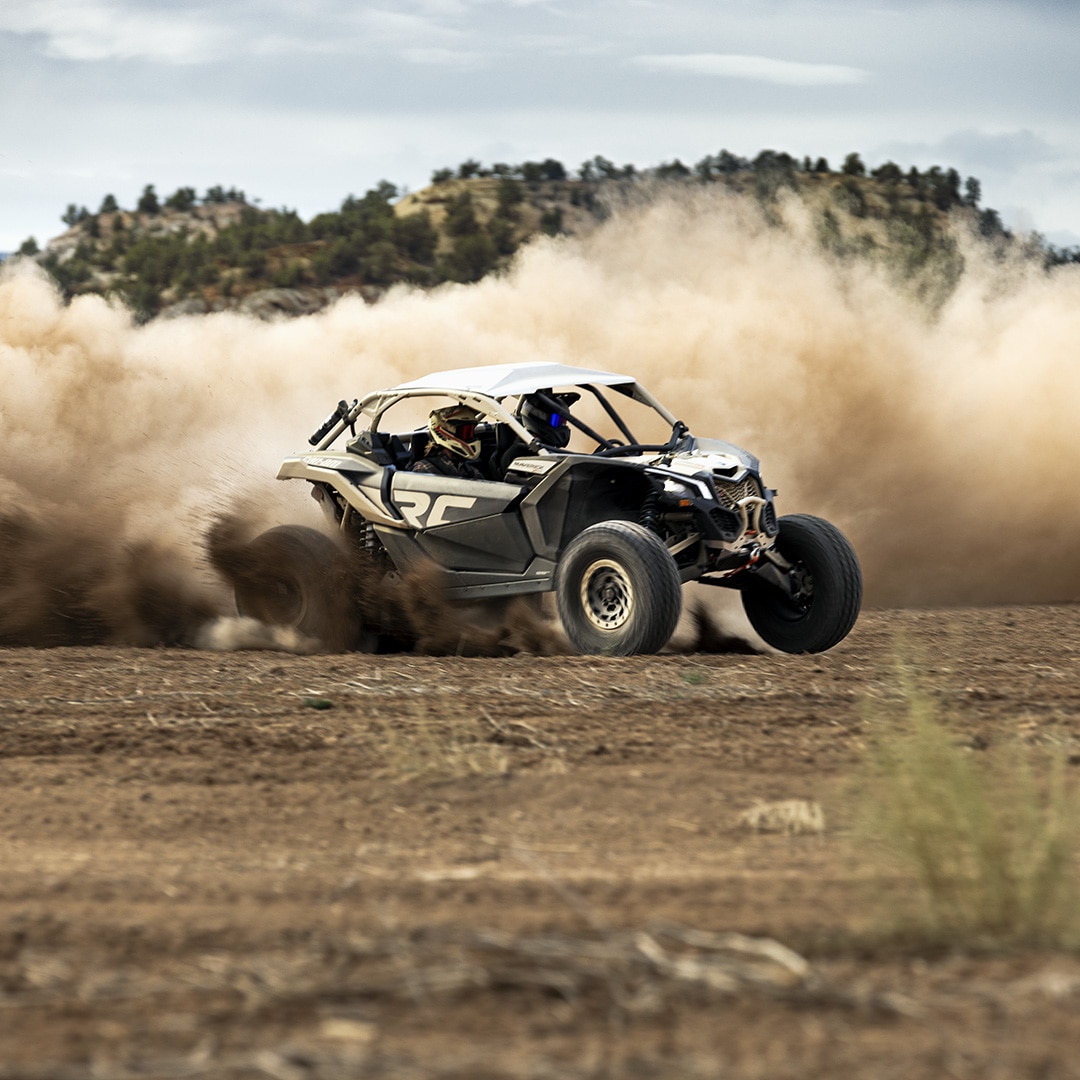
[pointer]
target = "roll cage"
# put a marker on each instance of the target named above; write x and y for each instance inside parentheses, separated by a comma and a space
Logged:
(489, 390)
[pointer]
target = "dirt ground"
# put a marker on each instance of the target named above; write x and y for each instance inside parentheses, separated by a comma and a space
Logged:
(254, 864)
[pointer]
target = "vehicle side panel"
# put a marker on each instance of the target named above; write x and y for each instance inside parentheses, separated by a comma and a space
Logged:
(495, 543)
(428, 500)
(463, 524)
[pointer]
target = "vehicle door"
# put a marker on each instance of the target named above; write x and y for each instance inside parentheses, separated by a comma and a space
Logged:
(463, 524)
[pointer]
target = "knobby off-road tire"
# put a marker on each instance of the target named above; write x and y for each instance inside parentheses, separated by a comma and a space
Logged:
(298, 577)
(618, 590)
(830, 582)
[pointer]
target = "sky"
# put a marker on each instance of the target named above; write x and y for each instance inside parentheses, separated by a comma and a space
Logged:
(300, 105)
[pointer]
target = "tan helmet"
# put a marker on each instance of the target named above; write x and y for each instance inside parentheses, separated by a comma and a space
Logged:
(455, 429)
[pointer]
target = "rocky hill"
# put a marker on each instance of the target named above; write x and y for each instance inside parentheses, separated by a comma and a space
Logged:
(221, 253)
(192, 255)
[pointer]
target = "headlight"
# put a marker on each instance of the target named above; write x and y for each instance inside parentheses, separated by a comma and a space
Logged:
(675, 488)
(677, 493)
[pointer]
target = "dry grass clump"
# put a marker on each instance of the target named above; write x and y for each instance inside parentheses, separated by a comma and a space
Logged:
(794, 817)
(436, 751)
(991, 838)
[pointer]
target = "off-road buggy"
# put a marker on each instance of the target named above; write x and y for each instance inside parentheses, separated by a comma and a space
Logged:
(613, 523)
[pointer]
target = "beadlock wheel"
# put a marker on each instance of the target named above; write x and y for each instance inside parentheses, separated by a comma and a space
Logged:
(618, 590)
(607, 595)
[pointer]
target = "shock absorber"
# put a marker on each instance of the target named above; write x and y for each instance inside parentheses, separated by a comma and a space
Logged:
(371, 543)
(649, 518)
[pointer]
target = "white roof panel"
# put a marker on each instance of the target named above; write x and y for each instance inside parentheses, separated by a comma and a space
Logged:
(502, 380)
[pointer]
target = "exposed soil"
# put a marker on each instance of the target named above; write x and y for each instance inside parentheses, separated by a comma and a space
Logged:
(255, 864)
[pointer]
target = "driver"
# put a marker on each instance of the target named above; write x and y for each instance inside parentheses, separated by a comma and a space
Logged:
(453, 448)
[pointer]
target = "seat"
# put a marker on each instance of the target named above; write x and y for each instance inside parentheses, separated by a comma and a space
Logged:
(508, 446)
(417, 447)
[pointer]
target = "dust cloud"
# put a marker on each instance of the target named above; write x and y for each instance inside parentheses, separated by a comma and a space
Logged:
(942, 443)
(361, 606)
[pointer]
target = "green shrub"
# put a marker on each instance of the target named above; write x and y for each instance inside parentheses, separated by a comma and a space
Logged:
(379, 264)
(460, 217)
(288, 275)
(551, 221)
(254, 262)
(416, 236)
(472, 256)
(510, 196)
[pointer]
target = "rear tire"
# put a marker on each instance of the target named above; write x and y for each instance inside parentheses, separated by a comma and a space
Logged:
(298, 577)
(829, 589)
(618, 590)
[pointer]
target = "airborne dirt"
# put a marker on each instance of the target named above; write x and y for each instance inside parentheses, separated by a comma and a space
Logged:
(252, 864)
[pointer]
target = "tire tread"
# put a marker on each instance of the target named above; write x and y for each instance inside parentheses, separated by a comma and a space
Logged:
(658, 594)
(837, 577)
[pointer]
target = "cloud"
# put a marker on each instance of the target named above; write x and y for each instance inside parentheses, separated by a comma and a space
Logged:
(94, 30)
(450, 58)
(1005, 152)
(401, 24)
(756, 68)
(1064, 238)
(443, 8)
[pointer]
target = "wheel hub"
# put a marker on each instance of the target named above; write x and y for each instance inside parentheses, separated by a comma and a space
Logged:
(607, 596)
(802, 588)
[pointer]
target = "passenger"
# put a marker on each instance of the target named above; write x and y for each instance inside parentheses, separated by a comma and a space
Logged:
(547, 426)
(453, 449)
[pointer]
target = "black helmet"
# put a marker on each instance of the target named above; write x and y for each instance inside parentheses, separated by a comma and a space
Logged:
(546, 423)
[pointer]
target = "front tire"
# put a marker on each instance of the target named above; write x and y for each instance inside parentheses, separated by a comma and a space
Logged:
(618, 590)
(298, 577)
(826, 589)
